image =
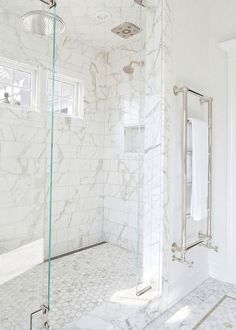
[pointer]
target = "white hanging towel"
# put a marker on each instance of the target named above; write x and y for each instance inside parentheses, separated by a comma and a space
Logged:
(198, 209)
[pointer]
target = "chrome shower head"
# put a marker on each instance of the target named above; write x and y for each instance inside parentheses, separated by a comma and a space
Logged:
(129, 68)
(126, 30)
(42, 23)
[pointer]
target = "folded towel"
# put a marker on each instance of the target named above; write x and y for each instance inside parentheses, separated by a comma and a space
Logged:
(189, 152)
(189, 167)
(199, 135)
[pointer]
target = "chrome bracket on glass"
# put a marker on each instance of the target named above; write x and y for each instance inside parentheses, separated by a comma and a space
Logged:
(45, 310)
(50, 3)
(143, 288)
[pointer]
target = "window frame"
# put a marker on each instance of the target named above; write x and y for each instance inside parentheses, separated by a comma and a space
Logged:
(15, 65)
(78, 97)
(39, 88)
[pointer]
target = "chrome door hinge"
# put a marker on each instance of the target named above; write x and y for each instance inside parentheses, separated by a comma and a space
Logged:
(45, 310)
(45, 319)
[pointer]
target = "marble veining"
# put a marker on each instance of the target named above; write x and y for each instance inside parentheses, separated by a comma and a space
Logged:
(188, 313)
(100, 192)
(25, 155)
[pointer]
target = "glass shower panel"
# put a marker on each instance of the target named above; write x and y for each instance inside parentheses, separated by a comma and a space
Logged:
(25, 59)
(97, 247)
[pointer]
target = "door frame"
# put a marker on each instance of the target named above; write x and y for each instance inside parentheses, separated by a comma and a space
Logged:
(230, 48)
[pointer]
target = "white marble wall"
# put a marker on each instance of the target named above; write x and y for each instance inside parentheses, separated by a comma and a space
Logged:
(123, 170)
(25, 154)
(100, 192)
(135, 218)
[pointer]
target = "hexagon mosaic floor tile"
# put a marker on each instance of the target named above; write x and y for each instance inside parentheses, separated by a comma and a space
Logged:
(79, 283)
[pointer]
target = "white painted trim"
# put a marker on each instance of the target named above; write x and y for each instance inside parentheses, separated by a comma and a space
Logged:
(231, 216)
(230, 48)
(14, 65)
(78, 84)
(39, 87)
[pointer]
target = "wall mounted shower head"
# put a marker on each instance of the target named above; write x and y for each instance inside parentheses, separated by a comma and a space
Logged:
(129, 69)
(42, 22)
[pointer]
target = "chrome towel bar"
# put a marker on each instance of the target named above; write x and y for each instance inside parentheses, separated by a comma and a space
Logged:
(203, 239)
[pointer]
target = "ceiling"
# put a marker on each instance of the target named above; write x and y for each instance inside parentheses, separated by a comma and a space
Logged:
(81, 21)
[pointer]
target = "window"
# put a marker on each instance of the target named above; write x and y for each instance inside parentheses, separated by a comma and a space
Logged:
(68, 96)
(17, 85)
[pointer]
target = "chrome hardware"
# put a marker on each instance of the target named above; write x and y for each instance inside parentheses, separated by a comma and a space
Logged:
(50, 3)
(203, 239)
(45, 310)
(143, 290)
(140, 2)
(183, 260)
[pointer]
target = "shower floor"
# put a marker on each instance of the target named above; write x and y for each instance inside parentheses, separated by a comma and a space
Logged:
(80, 282)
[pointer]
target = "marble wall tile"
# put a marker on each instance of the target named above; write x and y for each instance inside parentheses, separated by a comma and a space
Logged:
(78, 152)
(100, 191)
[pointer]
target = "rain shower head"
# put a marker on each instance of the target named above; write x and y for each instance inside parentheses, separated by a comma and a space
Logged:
(129, 68)
(41, 22)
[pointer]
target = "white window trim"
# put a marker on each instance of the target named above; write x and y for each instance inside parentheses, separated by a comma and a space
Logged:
(39, 82)
(78, 102)
(34, 81)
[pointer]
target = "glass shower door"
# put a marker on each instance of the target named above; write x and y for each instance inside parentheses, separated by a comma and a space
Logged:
(51, 107)
(25, 58)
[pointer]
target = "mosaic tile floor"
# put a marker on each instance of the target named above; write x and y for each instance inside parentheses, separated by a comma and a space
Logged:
(89, 291)
(208, 307)
(223, 314)
(80, 282)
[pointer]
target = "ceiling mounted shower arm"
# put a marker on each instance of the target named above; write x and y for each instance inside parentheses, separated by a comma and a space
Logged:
(140, 2)
(50, 3)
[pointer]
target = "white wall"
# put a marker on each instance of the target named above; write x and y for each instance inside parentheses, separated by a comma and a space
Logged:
(190, 67)
(222, 28)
